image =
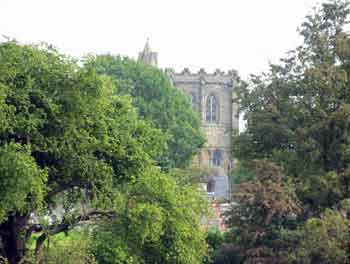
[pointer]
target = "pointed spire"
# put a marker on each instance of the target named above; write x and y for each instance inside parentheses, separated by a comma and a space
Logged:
(147, 48)
(147, 56)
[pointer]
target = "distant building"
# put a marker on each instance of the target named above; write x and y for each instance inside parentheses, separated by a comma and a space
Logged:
(211, 96)
(147, 56)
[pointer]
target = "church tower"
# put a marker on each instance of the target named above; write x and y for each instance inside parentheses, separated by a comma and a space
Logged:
(211, 96)
(147, 56)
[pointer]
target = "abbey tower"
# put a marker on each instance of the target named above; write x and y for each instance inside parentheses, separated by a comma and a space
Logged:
(211, 96)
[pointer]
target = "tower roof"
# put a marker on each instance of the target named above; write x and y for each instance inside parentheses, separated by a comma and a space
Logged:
(147, 48)
(147, 56)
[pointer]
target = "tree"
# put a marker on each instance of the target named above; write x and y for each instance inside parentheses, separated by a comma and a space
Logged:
(65, 138)
(320, 240)
(298, 113)
(158, 102)
(159, 222)
(261, 208)
(298, 119)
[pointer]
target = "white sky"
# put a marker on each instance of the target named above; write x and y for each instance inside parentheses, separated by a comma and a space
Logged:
(227, 34)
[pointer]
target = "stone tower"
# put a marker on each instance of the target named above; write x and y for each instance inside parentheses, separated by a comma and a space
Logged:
(211, 96)
(147, 56)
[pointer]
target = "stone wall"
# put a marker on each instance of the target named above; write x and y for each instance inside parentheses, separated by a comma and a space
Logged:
(199, 87)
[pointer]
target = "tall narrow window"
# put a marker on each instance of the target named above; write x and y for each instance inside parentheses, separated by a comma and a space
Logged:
(193, 99)
(212, 109)
(210, 156)
(217, 157)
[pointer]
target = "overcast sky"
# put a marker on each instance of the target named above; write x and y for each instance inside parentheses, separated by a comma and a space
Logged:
(227, 34)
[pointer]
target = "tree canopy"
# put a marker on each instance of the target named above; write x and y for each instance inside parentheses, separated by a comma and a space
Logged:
(159, 103)
(64, 136)
(158, 223)
(298, 113)
(297, 121)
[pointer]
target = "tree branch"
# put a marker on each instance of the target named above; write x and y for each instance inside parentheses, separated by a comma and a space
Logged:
(62, 187)
(67, 224)
(93, 215)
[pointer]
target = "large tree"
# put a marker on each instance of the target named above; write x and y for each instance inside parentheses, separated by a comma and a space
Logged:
(158, 102)
(298, 119)
(65, 139)
(298, 114)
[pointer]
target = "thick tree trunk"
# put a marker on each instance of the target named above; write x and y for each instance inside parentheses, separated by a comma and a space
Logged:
(13, 237)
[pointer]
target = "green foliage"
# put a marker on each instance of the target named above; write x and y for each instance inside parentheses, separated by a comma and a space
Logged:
(298, 113)
(76, 128)
(215, 238)
(320, 240)
(73, 247)
(158, 102)
(298, 135)
(159, 222)
(70, 138)
(241, 173)
(65, 138)
(221, 249)
(73, 252)
(21, 180)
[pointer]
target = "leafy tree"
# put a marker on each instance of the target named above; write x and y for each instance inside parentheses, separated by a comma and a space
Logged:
(158, 102)
(261, 208)
(159, 222)
(320, 240)
(65, 139)
(298, 113)
(298, 118)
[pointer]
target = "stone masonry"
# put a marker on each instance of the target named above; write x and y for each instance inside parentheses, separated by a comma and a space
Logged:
(211, 96)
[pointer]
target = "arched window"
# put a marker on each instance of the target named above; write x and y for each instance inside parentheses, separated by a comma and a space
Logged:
(212, 109)
(217, 157)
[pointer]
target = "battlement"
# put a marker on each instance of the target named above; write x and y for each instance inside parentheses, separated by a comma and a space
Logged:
(211, 97)
(218, 76)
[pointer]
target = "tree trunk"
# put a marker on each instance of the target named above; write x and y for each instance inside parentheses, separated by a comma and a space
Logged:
(38, 248)
(13, 237)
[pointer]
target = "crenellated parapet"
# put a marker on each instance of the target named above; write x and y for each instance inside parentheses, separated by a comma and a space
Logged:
(202, 72)
(211, 95)
(201, 76)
